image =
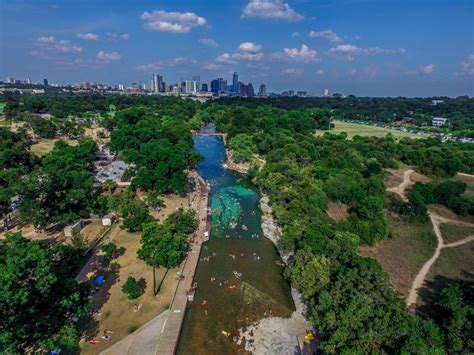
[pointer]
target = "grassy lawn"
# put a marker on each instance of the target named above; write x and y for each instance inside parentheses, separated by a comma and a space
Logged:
(44, 146)
(403, 256)
(116, 310)
(453, 232)
(353, 129)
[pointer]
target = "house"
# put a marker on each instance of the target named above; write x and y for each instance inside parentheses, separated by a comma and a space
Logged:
(438, 121)
(73, 228)
(113, 171)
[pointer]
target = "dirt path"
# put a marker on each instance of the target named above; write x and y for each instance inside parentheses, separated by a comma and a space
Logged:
(436, 221)
(420, 278)
(460, 242)
(400, 189)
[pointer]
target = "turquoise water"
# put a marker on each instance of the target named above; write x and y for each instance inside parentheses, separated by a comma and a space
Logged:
(239, 281)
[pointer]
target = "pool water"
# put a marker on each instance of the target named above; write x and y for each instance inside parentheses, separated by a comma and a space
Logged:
(239, 280)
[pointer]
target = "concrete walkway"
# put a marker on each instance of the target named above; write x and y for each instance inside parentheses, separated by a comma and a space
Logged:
(168, 339)
(141, 342)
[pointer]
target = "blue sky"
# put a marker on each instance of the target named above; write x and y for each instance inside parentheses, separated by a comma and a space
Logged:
(361, 47)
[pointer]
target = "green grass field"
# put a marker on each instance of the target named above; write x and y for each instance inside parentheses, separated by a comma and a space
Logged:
(354, 129)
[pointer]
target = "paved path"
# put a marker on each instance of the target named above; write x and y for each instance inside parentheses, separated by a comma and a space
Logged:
(169, 333)
(141, 342)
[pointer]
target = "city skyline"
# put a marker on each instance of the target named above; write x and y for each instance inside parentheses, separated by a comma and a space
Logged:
(415, 48)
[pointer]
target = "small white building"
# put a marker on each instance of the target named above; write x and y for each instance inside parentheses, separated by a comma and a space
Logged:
(438, 121)
(109, 219)
(76, 227)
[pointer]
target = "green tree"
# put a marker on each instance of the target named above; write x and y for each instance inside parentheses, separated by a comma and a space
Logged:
(61, 190)
(39, 295)
(132, 288)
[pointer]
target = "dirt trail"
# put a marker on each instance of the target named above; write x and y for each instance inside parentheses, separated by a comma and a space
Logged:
(460, 242)
(436, 221)
(400, 189)
(420, 278)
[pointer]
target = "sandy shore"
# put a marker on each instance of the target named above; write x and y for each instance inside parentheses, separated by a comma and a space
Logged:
(275, 335)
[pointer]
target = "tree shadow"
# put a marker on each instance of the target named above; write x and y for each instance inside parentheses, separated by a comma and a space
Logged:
(430, 291)
(142, 283)
(99, 296)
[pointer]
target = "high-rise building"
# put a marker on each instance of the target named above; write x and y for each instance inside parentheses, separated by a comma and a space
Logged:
(222, 85)
(158, 85)
(45, 82)
(235, 82)
(197, 79)
(326, 92)
(204, 88)
(291, 92)
(190, 87)
(215, 86)
(262, 91)
(28, 81)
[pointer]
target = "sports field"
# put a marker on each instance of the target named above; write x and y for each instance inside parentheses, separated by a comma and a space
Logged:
(354, 129)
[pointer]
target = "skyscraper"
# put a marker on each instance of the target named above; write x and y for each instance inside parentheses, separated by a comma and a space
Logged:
(235, 82)
(190, 87)
(204, 88)
(262, 91)
(197, 79)
(222, 85)
(28, 81)
(45, 82)
(158, 84)
(215, 86)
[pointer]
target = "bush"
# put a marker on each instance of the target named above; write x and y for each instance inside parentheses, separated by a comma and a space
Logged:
(108, 250)
(131, 288)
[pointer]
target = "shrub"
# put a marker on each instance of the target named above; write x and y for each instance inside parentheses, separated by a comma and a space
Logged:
(131, 288)
(108, 250)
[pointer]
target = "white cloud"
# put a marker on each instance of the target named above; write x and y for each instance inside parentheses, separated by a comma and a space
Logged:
(45, 39)
(88, 36)
(304, 54)
(427, 69)
(295, 72)
(208, 42)
(350, 51)
(211, 66)
(226, 58)
(107, 56)
(117, 36)
(248, 51)
(250, 47)
(165, 63)
(148, 67)
(319, 72)
(254, 57)
(330, 35)
(270, 9)
(468, 66)
(295, 34)
(49, 43)
(177, 22)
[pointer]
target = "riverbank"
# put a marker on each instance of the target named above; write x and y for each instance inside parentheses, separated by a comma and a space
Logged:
(275, 334)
